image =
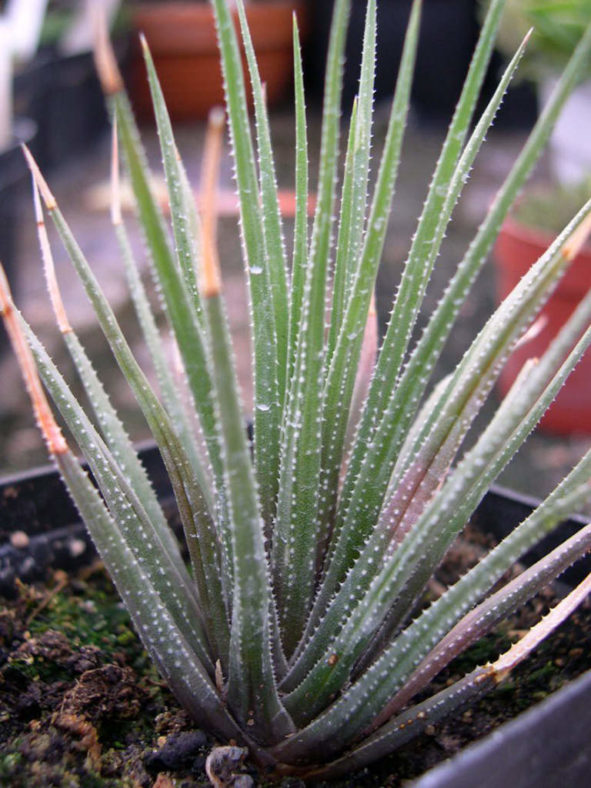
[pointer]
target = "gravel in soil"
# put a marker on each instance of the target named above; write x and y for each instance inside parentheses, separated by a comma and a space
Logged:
(82, 705)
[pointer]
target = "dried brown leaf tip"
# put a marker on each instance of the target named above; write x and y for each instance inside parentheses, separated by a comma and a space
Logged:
(104, 55)
(210, 283)
(56, 443)
(49, 267)
(523, 648)
(41, 183)
(578, 239)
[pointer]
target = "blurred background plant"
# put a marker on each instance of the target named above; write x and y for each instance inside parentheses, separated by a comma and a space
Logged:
(547, 208)
(558, 26)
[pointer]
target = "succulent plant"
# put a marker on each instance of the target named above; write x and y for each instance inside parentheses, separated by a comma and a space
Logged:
(298, 627)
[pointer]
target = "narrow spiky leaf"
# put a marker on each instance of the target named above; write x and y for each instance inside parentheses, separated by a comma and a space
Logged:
(494, 609)
(267, 414)
(386, 686)
(343, 369)
(410, 723)
(182, 204)
(178, 662)
(354, 198)
(252, 693)
(422, 361)
(110, 424)
(276, 254)
(185, 428)
(145, 536)
(191, 503)
(446, 513)
(178, 301)
(423, 250)
(361, 496)
(297, 525)
(300, 244)
(271, 213)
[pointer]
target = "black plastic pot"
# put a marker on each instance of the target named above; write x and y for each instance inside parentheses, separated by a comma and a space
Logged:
(547, 747)
(14, 179)
(63, 96)
(449, 30)
(38, 508)
(447, 38)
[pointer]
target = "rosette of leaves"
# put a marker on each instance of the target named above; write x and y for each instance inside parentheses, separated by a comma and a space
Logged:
(298, 627)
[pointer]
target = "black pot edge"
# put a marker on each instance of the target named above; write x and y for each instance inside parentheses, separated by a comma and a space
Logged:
(37, 512)
(37, 504)
(549, 745)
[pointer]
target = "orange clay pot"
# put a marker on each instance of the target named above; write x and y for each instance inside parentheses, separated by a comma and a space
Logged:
(182, 39)
(516, 249)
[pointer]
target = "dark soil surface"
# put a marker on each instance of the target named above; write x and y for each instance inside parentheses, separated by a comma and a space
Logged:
(81, 704)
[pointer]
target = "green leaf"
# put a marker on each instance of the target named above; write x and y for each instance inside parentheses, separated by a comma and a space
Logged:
(277, 263)
(369, 469)
(251, 684)
(395, 733)
(120, 445)
(189, 497)
(178, 301)
(425, 247)
(297, 526)
(146, 537)
(355, 610)
(300, 244)
(343, 369)
(177, 662)
(354, 194)
(171, 391)
(182, 202)
(267, 413)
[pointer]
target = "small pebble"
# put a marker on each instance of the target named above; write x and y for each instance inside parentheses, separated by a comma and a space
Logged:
(19, 540)
(77, 547)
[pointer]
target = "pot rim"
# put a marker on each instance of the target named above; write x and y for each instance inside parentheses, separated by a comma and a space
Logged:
(182, 28)
(535, 235)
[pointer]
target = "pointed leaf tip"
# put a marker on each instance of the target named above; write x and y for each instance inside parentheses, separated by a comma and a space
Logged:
(520, 650)
(579, 238)
(48, 198)
(217, 118)
(49, 267)
(104, 55)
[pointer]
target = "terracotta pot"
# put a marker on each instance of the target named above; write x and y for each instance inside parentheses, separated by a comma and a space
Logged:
(183, 42)
(516, 249)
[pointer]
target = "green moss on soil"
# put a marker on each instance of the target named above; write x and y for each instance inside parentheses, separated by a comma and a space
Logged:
(82, 705)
